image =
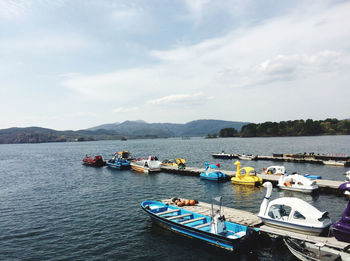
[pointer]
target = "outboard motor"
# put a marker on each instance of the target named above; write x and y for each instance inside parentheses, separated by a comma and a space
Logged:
(218, 225)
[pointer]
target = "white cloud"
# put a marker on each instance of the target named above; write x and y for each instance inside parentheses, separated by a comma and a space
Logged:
(13, 8)
(123, 110)
(181, 99)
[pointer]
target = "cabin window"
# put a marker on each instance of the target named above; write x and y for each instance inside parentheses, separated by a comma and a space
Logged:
(297, 215)
(278, 211)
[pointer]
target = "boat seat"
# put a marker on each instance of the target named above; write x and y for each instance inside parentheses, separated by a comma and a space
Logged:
(203, 225)
(167, 212)
(180, 216)
(191, 220)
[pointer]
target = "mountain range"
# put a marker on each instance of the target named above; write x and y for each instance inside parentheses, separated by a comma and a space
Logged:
(192, 128)
(127, 129)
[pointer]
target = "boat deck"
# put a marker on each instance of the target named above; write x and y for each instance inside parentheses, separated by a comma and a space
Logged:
(328, 186)
(249, 219)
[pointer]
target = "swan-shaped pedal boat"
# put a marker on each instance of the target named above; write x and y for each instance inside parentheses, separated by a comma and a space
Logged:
(293, 214)
(297, 182)
(212, 172)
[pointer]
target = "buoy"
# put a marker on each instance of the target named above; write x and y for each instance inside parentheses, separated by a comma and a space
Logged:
(192, 202)
(179, 204)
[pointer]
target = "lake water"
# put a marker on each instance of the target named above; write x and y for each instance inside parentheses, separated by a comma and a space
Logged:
(54, 208)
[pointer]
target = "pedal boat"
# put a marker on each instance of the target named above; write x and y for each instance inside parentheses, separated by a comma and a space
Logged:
(152, 164)
(275, 170)
(213, 230)
(293, 214)
(96, 161)
(297, 182)
(179, 163)
(117, 162)
(212, 173)
(341, 229)
(249, 178)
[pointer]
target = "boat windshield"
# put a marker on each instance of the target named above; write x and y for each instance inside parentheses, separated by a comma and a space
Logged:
(216, 206)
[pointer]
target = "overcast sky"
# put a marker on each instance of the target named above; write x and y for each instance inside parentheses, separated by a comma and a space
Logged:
(75, 64)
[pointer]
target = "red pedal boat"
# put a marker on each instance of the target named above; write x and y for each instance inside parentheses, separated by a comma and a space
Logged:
(96, 161)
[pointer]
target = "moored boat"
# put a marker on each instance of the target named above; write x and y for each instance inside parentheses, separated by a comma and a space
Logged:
(214, 230)
(212, 172)
(297, 182)
(275, 170)
(248, 177)
(96, 161)
(151, 164)
(315, 252)
(179, 162)
(339, 163)
(293, 214)
(118, 162)
(341, 229)
(247, 157)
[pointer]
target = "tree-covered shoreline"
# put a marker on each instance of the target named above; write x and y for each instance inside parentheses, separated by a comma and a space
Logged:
(309, 127)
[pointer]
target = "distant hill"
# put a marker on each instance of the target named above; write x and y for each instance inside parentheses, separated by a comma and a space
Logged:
(39, 135)
(193, 128)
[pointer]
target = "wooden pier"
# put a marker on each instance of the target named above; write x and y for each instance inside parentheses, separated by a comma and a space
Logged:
(345, 161)
(326, 186)
(249, 219)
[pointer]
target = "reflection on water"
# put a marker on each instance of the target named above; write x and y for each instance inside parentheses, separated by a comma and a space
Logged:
(312, 197)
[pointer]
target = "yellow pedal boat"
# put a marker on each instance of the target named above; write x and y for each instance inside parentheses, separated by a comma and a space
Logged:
(247, 178)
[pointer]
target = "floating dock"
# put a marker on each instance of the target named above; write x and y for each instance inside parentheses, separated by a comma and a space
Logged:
(249, 219)
(326, 186)
(340, 160)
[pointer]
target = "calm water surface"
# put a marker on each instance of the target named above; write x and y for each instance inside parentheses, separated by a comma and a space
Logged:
(54, 208)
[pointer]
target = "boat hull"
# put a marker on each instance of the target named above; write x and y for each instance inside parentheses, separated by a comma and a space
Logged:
(143, 169)
(303, 190)
(213, 176)
(307, 230)
(204, 234)
(119, 166)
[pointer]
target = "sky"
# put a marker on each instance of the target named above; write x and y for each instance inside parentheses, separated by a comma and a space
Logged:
(75, 64)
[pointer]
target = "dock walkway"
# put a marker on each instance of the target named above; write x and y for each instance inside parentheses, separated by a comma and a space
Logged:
(249, 219)
(328, 186)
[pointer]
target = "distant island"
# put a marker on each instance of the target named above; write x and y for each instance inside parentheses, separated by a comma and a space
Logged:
(309, 127)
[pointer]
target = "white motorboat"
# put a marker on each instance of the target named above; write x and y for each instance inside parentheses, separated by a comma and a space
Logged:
(247, 157)
(292, 214)
(275, 170)
(297, 182)
(334, 163)
(152, 164)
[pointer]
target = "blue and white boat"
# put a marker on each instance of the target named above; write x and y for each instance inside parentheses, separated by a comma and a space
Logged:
(212, 172)
(117, 162)
(213, 230)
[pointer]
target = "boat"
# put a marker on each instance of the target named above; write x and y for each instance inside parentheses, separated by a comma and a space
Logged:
(180, 163)
(212, 172)
(248, 177)
(334, 163)
(247, 157)
(214, 229)
(151, 164)
(347, 175)
(308, 251)
(118, 162)
(341, 229)
(293, 214)
(310, 176)
(297, 182)
(275, 170)
(96, 161)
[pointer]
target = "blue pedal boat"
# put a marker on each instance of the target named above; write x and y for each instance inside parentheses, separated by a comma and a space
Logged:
(212, 173)
(117, 162)
(213, 230)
